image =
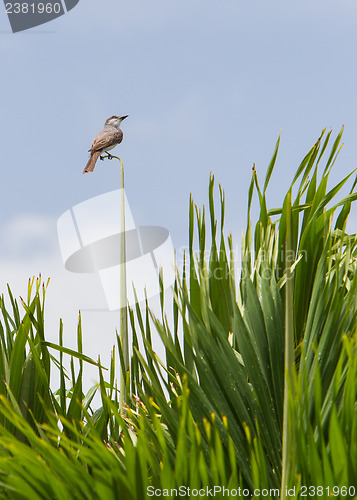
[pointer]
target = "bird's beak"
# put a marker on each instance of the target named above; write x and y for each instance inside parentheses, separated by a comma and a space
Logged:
(123, 117)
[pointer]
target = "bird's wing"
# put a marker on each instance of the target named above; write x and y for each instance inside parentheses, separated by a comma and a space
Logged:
(106, 139)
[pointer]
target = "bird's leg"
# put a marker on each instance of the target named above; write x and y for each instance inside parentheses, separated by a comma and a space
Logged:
(110, 157)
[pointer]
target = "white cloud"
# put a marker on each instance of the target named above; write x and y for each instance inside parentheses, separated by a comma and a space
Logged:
(28, 234)
(67, 294)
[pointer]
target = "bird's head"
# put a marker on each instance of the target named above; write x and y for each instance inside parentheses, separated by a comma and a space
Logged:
(115, 121)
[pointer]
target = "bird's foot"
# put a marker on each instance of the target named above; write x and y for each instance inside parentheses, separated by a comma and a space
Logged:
(102, 157)
(110, 157)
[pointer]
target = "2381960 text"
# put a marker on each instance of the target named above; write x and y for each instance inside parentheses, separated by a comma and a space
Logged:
(32, 8)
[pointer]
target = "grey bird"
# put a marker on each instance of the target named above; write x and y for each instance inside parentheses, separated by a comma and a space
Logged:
(105, 140)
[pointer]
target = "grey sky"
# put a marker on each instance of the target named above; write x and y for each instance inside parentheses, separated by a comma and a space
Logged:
(208, 86)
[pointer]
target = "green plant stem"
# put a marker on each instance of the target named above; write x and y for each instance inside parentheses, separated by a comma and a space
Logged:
(123, 299)
(123, 293)
(289, 350)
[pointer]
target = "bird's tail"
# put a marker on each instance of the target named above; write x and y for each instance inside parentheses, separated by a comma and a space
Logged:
(91, 162)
